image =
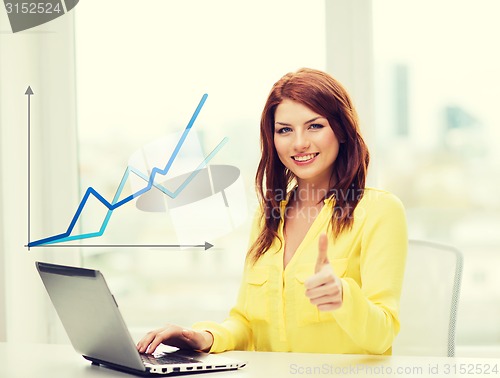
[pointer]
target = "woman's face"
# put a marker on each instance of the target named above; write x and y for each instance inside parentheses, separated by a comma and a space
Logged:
(305, 143)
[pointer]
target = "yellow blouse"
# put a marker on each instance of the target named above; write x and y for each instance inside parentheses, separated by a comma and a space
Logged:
(272, 312)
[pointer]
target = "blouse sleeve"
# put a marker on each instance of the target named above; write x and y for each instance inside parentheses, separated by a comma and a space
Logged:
(234, 333)
(370, 313)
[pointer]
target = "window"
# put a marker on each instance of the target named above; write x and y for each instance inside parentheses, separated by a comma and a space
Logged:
(437, 83)
(140, 76)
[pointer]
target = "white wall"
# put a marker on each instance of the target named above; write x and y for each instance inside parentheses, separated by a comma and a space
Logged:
(42, 58)
(349, 58)
(3, 320)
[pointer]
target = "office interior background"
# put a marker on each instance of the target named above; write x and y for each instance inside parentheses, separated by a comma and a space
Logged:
(110, 77)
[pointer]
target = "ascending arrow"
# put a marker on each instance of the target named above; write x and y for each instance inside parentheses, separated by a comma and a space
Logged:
(29, 92)
(205, 246)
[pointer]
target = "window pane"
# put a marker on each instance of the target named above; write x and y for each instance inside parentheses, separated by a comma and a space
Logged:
(437, 84)
(140, 77)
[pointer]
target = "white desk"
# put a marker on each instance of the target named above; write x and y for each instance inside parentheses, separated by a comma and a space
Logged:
(61, 361)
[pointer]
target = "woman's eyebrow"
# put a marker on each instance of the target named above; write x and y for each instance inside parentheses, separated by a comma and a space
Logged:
(282, 123)
(305, 123)
(314, 119)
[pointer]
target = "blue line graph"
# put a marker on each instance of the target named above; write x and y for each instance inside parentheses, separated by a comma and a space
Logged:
(66, 236)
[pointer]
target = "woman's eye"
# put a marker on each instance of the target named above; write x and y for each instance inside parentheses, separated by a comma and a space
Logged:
(283, 130)
(316, 126)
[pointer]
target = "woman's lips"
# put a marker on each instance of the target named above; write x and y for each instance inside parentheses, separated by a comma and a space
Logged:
(303, 159)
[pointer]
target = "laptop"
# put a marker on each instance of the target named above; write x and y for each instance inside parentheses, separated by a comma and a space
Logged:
(96, 329)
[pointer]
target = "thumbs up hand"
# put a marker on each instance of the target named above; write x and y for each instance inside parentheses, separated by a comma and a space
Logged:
(324, 288)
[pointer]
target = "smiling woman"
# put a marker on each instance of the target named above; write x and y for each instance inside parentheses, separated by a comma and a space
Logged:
(308, 96)
(328, 282)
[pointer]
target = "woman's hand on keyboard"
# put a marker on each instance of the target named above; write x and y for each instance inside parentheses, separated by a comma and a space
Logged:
(176, 336)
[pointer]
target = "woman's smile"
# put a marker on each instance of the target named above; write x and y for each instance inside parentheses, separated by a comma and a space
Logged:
(301, 159)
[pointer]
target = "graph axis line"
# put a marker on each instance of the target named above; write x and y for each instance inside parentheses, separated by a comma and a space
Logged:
(66, 236)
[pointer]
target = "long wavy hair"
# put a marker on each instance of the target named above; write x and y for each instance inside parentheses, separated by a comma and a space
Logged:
(326, 96)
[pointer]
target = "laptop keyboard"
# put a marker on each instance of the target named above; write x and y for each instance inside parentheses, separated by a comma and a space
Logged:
(167, 359)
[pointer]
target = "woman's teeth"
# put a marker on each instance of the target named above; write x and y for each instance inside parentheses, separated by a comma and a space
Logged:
(304, 157)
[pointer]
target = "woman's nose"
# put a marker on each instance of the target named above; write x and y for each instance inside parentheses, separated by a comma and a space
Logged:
(301, 143)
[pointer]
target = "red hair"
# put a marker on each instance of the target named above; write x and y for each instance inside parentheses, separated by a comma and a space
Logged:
(326, 96)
